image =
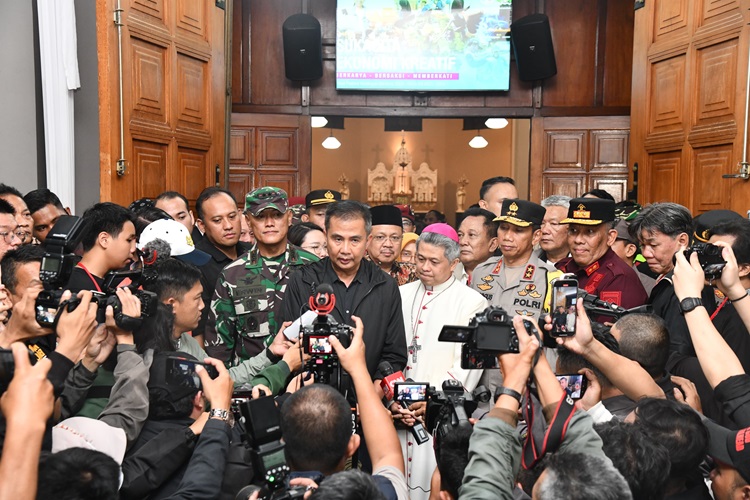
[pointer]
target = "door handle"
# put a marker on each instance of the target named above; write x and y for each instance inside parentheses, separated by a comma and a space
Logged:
(744, 172)
(218, 175)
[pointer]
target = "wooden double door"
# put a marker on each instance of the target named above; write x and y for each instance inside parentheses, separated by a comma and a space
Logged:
(173, 97)
(689, 80)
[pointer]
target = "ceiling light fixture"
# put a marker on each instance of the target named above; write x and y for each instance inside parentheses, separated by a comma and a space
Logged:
(331, 142)
(496, 123)
(318, 121)
(478, 142)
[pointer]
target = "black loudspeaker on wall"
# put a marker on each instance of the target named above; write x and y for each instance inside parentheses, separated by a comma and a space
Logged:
(532, 47)
(303, 51)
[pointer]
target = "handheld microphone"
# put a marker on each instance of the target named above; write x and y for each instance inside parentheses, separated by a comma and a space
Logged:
(390, 377)
(322, 301)
(595, 301)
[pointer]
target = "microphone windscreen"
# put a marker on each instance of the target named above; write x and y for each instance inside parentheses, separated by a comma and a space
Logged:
(385, 368)
(156, 252)
(324, 288)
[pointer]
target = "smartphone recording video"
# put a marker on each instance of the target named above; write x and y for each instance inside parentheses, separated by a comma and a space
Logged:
(564, 298)
(574, 384)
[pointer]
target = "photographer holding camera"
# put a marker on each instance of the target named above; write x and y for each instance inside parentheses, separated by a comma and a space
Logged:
(663, 229)
(495, 451)
(316, 424)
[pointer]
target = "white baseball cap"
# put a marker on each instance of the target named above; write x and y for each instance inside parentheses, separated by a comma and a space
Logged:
(179, 239)
(83, 432)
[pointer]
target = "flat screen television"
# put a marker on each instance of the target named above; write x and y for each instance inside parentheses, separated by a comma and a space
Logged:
(423, 45)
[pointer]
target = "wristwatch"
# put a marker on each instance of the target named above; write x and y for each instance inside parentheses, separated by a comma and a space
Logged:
(225, 415)
(508, 392)
(690, 303)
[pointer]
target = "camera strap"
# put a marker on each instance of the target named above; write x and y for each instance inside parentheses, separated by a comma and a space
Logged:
(534, 446)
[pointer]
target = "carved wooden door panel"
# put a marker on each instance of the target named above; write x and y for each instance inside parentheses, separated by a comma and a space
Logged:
(689, 71)
(573, 155)
(173, 94)
(270, 150)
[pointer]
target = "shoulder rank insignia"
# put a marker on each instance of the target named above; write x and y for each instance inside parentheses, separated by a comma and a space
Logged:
(592, 268)
(499, 264)
(529, 272)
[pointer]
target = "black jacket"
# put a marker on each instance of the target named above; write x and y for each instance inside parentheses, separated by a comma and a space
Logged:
(377, 302)
(159, 459)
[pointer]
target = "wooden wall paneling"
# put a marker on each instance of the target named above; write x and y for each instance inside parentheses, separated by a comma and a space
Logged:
(276, 148)
(565, 149)
(238, 53)
(241, 182)
(571, 155)
(618, 55)
(716, 73)
(240, 152)
(609, 149)
(285, 180)
(568, 184)
(268, 82)
(574, 30)
(270, 150)
(616, 185)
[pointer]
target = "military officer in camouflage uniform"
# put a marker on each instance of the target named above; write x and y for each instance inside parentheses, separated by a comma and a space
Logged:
(384, 244)
(250, 290)
(518, 281)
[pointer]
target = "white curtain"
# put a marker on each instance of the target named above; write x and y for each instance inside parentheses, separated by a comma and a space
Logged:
(59, 61)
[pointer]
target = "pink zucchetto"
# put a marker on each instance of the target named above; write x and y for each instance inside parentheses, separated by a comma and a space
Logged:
(442, 228)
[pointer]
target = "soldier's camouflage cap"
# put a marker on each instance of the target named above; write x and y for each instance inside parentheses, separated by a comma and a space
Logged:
(266, 197)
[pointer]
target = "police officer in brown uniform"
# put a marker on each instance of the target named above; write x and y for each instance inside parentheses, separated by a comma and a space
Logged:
(596, 266)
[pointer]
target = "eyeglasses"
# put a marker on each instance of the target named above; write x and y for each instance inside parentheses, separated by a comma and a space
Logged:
(316, 248)
(380, 239)
(8, 235)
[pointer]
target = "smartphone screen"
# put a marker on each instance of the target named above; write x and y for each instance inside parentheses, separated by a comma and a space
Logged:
(563, 305)
(574, 384)
(410, 392)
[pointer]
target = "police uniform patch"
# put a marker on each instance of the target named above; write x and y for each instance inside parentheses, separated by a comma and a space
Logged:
(612, 297)
(488, 279)
(524, 312)
(484, 287)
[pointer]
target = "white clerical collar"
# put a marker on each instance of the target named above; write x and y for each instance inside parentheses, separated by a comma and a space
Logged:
(442, 286)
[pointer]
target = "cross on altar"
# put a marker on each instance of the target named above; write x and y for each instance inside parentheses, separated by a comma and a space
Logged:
(427, 149)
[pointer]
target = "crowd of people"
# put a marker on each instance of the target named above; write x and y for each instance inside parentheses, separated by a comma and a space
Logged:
(636, 387)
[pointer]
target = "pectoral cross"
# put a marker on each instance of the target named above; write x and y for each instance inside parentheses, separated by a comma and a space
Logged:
(414, 349)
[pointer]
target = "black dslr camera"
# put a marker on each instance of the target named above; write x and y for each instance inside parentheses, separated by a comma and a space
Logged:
(323, 360)
(263, 437)
(489, 333)
(709, 257)
(58, 263)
